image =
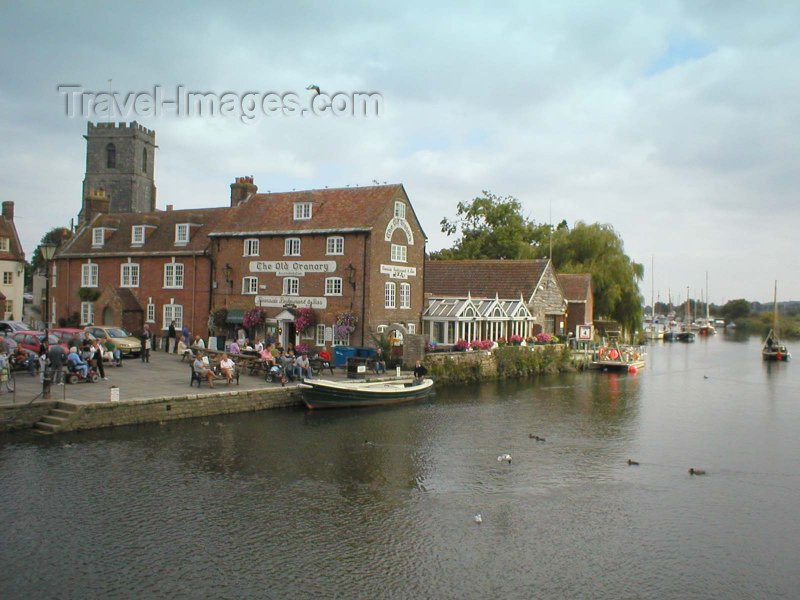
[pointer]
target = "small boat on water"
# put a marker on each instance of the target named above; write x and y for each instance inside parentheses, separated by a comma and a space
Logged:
(685, 336)
(670, 335)
(773, 348)
(323, 393)
(615, 357)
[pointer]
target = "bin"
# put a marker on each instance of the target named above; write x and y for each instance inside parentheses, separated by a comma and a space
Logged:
(341, 354)
(356, 368)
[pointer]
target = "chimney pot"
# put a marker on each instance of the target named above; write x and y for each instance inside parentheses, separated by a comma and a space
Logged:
(170, 207)
(8, 210)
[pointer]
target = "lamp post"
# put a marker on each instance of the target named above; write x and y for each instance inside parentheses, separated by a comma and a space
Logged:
(227, 272)
(47, 251)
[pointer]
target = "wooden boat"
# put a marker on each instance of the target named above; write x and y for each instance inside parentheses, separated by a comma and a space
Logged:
(323, 393)
(773, 348)
(615, 357)
(685, 336)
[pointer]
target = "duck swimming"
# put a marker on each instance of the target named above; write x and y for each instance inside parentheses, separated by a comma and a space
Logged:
(694, 471)
(504, 457)
(633, 463)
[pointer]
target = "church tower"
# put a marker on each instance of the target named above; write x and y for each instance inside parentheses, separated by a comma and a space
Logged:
(120, 159)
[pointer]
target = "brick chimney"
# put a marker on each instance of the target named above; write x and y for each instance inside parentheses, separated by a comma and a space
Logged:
(96, 202)
(242, 189)
(8, 211)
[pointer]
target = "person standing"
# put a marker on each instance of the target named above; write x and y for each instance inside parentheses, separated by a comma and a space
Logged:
(97, 357)
(172, 342)
(147, 342)
(186, 338)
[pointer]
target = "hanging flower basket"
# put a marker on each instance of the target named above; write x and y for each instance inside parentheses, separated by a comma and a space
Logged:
(306, 318)
(253, 318)
(344, 326)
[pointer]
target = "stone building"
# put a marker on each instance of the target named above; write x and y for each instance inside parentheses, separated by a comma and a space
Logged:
(578, 292)
(489, 299)
(12, 266)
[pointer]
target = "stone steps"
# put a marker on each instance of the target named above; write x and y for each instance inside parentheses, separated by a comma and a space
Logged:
(55, 419)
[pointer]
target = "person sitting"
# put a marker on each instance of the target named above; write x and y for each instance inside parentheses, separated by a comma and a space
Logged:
(379, 364)
(234, 348)
(302, 368)
(287, 362)
(24, 357)
(227, 367)
(198, 343)
(184, 350)
(266, 357)
(202, 370)
(76, 363)
(419, 373)
(258, 347)
(112, 354)
(325, 359)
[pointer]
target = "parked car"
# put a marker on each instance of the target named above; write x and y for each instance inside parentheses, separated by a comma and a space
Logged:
(31, 340)
(7, 344)
(7, 327)
(127, 344)
(67, 335)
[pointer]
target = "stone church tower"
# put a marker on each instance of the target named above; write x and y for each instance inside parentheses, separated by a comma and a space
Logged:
(120, 160)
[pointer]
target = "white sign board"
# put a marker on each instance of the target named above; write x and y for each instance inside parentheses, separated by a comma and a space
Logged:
(583, 333)
(300, 301)
(398, 272)
(399, 223)
(292, 268)
(329, 334)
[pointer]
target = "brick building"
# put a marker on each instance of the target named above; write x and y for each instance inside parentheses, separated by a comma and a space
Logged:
(577, 289)
(12, 266)
(337, 251)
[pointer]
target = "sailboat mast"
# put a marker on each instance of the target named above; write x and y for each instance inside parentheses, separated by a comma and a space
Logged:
(652, 290)
(775, 310)
(707, 297)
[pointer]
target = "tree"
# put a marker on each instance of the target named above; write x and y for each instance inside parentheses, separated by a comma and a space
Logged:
(57, 236)
(491, 226)
(735, 309)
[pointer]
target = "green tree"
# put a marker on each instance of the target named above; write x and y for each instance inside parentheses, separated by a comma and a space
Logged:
(57, 235)
(735, 309)
(491, 226)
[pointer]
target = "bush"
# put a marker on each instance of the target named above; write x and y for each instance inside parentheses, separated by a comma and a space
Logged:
(88, 295)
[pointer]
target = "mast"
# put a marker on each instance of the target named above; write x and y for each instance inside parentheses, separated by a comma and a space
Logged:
(652, 291)
(775, 311)
(707, 297)
(687, 308)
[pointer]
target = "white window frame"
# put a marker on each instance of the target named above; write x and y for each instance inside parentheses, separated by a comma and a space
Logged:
(137, 235)
(333, 286)
(150, 315)
(405, 295)
(399, 210)
(172, 312)
(98, 237)
(249, 285)
(173, 280)
(289, 248)
(382, 328)
(8, 277)
(390, 294)
(5, 244)
(90, 273)
(399, 253)
(334, 246)
(319, 334)
(54, 275)
(251, 247)
(181, 234)
(412, 328)
(302, 211)
(291, 286)
(87, 313)
(133, 275)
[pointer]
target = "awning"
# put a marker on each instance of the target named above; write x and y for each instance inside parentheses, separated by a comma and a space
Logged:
(235, 315)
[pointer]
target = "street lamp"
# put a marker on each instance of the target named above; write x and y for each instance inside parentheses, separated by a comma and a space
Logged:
(227, 272)
(47, 251)
(351, 275)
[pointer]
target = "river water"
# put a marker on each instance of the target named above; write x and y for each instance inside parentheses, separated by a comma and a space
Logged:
(292, 504)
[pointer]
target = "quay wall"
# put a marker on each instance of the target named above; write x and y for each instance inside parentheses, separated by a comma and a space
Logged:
(23, 416)
(507, 362)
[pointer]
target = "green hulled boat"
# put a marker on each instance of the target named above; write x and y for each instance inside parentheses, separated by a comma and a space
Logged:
(323, 393)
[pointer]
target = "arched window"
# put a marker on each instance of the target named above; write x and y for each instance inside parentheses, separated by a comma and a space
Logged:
(144, 160)
(111, 156)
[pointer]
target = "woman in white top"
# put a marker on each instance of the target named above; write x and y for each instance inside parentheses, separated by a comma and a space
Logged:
(226, 366)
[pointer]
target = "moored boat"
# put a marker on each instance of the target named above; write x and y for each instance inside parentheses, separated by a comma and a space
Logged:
(323, 393)
(773, 348)
(684, 336)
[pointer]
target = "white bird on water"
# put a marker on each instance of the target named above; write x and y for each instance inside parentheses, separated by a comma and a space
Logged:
(504, 457)
(478, 518)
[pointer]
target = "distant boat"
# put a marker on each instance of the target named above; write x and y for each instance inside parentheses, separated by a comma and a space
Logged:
(322, 393)
(615, 357)
(670, 336)
(684, 336)
(773, 348)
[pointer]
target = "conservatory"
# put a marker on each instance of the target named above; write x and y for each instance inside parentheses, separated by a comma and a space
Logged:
(449, 319)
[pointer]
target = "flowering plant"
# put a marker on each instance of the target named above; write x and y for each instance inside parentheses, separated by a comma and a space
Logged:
(253, 318)
(544, 338)
(462, 345)
(516, 339)
(481, 344)
(501, 341)
(301, 348)
(344, 326)
(306, 318)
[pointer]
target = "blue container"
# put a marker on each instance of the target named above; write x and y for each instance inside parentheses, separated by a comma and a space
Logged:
(341, 354)
(366, 352)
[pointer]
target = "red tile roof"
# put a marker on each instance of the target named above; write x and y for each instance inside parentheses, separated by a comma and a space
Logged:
(577, 287)
(483, 278)
(336, 208)
(8, 230)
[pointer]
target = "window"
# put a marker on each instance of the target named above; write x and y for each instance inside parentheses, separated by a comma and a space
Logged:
(412, 328)
(98, 236)
(8, 277)
(182, 233)
(173, 275)
(302, 210)
(333, 286)
(251, 247)
(111, 157)
(250, 285)
(53, 273)
(129, 275)
(405, 295)
(4, 244)
(10, 306)
(343, 342)
(87, 313)
(382, 328)
(335, 245)
(399, 253)
(89, 273)
(291, 247)
(172, 312)
(144, 160)
(151, 313)
(137, 235)
(291, 286)
(319, 335)
(399, 210)
(389, 294)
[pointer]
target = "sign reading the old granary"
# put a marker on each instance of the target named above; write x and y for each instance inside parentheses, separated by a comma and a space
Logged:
(293, 268)
(399, 223)
(398, 272)
(298, 301)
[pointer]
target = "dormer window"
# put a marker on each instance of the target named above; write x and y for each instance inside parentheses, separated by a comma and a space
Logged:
(4, 244)
(302, 211)
(137, 235)
(399, 210)
(181, 234)
(98, 236)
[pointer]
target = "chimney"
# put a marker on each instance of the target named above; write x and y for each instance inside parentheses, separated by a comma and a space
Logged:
(8, 211)
(95, 203)
(242, 189)
(170, 207)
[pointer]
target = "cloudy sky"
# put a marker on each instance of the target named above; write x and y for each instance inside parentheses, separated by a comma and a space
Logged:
(676, 122)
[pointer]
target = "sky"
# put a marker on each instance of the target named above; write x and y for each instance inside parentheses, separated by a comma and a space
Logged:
(675, 122)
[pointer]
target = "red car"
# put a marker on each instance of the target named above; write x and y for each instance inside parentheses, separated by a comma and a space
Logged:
(31, 340)
(68, 335)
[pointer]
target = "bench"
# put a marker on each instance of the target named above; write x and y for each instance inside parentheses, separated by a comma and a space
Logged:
(317, 365)
(217, 375)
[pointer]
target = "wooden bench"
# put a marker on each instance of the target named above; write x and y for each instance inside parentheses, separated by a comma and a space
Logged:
(317, 366)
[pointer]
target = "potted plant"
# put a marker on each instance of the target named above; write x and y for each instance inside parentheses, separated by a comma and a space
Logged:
(516, 339)
(306, 319)
(345, 325)
(544, 338)
(462, 346)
